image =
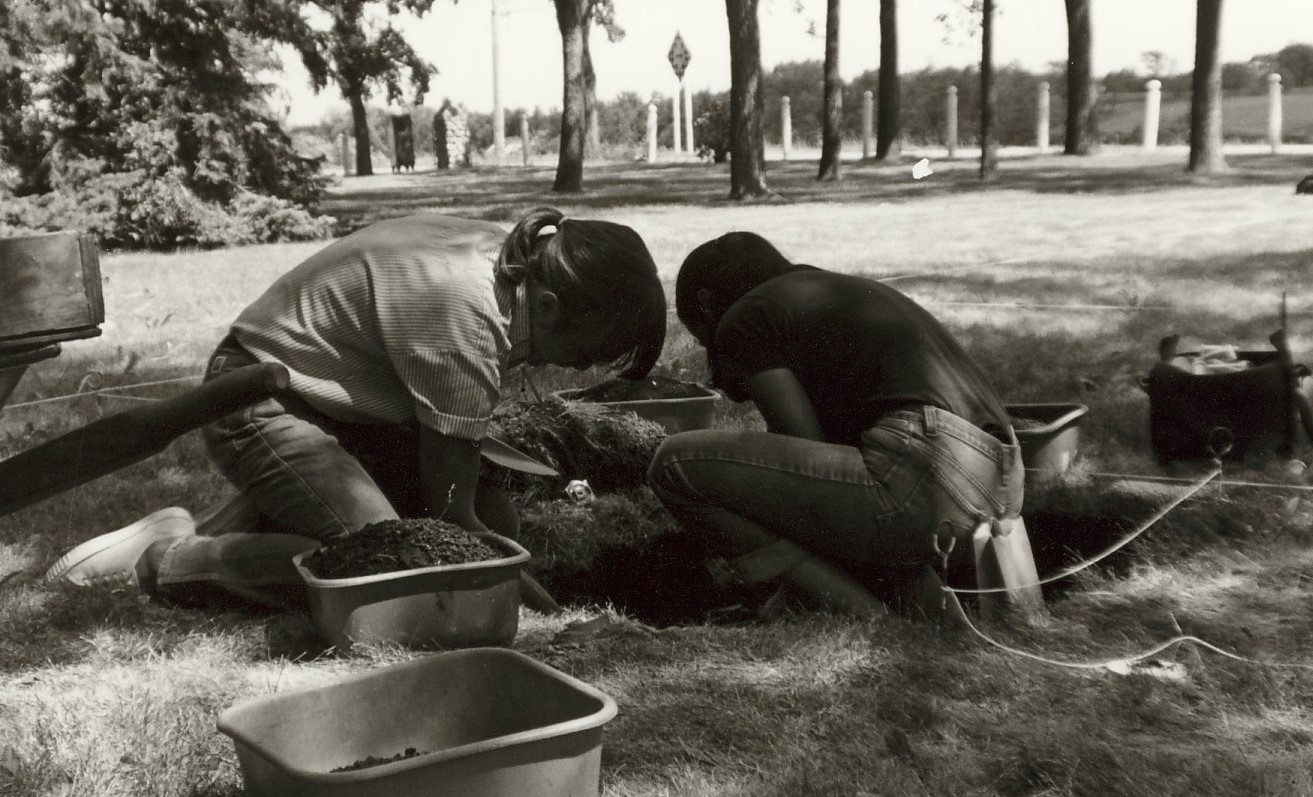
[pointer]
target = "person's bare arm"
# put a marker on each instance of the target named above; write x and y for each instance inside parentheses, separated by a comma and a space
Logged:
(783, 402)
(449, 467)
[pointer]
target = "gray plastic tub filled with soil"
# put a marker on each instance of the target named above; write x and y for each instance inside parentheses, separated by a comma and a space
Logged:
(677, 406)
(420, 583)
(1049, 435)
(485, 722)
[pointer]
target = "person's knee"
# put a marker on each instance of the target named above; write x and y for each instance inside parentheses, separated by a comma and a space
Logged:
(663, 473)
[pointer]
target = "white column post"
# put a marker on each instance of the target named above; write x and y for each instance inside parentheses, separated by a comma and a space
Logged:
(651, 132)
(1042, 118)
(346, 154)
(676, 126)
(1274, 111)
(688, 116)
(524, 137)
(1153, 99)
(786, 127)
(498, 113)
(950, 122)
(868, 122)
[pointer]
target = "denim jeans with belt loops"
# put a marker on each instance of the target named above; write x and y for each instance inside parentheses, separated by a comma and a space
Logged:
(304, 478)
(917, 476)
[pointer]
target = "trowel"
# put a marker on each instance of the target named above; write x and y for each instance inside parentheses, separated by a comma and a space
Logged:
(498, 453)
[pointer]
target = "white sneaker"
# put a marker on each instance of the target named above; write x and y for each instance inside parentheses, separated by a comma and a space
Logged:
(111, 559)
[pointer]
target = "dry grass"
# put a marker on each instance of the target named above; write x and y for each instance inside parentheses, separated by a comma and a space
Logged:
(109, 694)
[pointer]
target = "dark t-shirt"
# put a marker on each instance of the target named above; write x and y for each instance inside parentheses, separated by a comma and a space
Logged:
(860, 349)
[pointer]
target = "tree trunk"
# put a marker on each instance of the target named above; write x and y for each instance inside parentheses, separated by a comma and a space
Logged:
(593, 137)
(747, 111)
(360, 132)
(1081, 126)
(571, 19)
(832, 113)
(1206, 92)
(988, 93)
(888, 122)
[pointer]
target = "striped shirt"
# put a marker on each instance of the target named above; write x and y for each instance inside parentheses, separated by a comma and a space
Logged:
(400, 321)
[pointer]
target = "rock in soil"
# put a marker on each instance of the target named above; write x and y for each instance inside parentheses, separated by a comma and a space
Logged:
(392, 545)
(654, 387)
(374, 761)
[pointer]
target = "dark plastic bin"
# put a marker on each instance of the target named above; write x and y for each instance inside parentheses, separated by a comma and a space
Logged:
(448, 606)
(490, 722)
(674, 414)
(1050, 448)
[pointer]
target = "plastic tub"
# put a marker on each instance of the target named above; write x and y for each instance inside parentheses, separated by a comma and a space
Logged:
(448, 606)
(674, 414)
(489, 722)
(1048, 449)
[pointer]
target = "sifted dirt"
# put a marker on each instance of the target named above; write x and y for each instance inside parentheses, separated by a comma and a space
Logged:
(1022, 424)
(374, 761)
(654, 387)
(392, 545)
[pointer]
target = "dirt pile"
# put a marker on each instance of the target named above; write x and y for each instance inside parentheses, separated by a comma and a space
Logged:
(378, 761)
(610, 448)
(654, 387)
(392, 545)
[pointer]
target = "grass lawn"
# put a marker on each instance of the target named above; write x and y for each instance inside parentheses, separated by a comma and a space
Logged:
(1060, 277)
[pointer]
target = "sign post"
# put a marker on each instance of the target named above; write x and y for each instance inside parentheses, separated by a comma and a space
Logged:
(679, 57)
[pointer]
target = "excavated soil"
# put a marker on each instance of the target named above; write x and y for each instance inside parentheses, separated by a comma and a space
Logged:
(654, 387)
(374, 761)
(610, 448)
(1023, 424)
(392, 545)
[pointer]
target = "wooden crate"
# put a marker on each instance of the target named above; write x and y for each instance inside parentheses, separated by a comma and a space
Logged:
(49, 289)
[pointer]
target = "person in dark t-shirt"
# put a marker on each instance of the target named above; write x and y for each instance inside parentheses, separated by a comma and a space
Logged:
(885, 446)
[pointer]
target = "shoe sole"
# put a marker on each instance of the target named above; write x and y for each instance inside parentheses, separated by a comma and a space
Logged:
(97, 545)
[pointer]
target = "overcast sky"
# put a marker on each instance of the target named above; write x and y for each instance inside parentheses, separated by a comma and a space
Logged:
(457, 39)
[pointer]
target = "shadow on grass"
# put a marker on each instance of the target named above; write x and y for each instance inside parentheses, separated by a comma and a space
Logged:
(503, 194)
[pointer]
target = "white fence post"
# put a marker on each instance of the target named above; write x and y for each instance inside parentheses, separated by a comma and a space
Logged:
(1274, 112)
(651, 132)
(950, 122)
(524, 137)
(676, 128)
(1153, 99)
(1042, 118)
(868, 122)
(786, 127)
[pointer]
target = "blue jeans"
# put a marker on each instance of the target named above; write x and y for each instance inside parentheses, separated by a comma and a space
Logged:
(304, 478)
(873, 510)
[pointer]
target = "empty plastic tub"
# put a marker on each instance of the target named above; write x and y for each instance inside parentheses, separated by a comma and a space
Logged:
(448, 606)
(1049, 441)
(486, 722)
(674, 414)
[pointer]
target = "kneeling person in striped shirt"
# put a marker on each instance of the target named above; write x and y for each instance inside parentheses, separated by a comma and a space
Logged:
(396, 338)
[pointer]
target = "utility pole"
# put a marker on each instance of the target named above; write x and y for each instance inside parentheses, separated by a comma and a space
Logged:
(498, 114)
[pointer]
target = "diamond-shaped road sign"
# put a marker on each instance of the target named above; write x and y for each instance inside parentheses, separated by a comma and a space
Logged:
(679, 56)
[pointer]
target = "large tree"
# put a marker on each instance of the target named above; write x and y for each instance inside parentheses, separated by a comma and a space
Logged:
(361, 60)
(747, 174)
(1206, 92)
(572, 18)
(888, 127)
(1081, 132)
(988, 93)
(142, 121)
(832, 113)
